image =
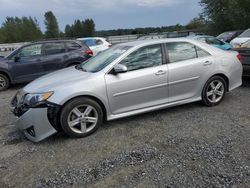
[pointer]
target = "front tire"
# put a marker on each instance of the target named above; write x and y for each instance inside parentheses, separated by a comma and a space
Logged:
(4, 82)
(81, 117)
(214, 91)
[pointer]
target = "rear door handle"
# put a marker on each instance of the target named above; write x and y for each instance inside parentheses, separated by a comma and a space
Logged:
(160, 72)
(207, 63)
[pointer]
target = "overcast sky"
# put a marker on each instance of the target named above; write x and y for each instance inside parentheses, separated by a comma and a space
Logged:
(107, 14)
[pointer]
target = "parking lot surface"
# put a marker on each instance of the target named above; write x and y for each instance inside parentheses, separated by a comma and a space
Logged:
(186, 146)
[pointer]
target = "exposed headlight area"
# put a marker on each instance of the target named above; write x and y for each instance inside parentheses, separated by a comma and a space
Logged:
(22, 101)
(36, 100)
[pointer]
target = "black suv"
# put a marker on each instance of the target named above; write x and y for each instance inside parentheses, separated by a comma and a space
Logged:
(39, 58)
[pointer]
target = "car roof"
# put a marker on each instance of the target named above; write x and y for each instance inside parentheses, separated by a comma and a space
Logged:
(155, 41)
(51, 41)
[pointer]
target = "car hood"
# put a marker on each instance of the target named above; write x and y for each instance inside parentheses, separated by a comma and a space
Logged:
(52, 81)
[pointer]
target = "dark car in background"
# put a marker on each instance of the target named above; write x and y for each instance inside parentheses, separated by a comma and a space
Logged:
(229, 35)
(39, 58)
(244, 52)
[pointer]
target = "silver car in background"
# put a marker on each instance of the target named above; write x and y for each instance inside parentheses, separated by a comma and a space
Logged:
(125, 80)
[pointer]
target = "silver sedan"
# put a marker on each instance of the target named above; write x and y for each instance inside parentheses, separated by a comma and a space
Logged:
(125, 80)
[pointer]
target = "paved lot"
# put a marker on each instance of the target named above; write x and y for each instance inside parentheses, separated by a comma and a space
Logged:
(186, 146)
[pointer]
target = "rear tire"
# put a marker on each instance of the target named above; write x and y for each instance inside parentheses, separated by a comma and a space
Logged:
(81, 117)
(4, 82)
(214, 91)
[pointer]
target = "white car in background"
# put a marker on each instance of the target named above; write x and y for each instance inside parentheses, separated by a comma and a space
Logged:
(96, 44)
(238, 41)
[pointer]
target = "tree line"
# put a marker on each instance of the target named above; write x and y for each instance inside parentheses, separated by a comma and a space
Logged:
(15, 29)
(216, 17)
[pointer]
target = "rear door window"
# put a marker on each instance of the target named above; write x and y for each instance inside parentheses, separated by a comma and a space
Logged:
(181, 51)
(201, 53)
(54, 48)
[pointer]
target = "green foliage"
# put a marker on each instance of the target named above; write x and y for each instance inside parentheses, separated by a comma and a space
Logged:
(224, 15)
(146, 30)
(80, 28)
(16, 29)
(52, 29)
(197, 23)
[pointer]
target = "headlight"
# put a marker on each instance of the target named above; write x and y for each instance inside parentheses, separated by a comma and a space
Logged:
(33, 100)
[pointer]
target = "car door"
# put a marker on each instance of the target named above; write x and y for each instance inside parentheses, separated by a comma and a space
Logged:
(26, 65)
(143, 85)
(55, 55)
(188, 68)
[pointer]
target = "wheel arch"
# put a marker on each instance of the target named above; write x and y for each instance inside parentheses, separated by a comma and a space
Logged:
(224, 77)
(94, 99)
(7, 75)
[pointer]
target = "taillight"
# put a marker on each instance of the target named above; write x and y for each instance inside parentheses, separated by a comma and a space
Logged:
(89, 52)
(240, 58)
(110, 45)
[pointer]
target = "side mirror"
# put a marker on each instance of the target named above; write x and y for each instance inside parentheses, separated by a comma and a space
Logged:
(119, 68)
(16, 58)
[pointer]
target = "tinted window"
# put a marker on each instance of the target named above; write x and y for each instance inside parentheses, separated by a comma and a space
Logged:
(145, 57)
(32, 50)
(54, 48)
(201, 53)
(99, 42)
(73, 46)
(181, 51)
(90, 42)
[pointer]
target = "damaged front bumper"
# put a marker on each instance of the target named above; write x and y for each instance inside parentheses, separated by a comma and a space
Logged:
(37, 123)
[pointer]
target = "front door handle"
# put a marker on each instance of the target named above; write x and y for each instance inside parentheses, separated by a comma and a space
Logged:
(207, 63)
(160, 72)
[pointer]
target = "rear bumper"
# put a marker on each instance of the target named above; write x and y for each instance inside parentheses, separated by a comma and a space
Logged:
(35, 124)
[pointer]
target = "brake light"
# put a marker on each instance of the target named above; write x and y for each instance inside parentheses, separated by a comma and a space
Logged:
(240, 58)
(89, 52)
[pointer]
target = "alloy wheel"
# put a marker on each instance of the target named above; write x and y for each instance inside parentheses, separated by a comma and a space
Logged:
(2, 82)
(82, 119)
(215, 91)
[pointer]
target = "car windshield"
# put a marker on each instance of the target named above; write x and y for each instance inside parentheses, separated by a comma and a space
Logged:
(99, 62)
(245, 33)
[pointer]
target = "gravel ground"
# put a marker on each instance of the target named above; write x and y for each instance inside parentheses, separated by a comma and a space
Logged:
(186, 146)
